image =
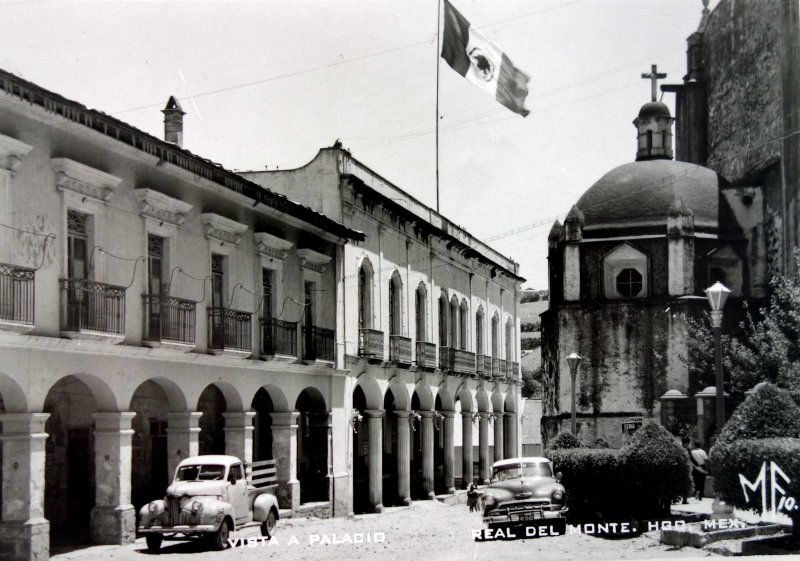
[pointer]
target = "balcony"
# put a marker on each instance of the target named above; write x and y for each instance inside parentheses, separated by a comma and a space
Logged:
(168, 320)
(483, 366)
(426, 355)
(318, 343)
(92, 309)
(513, 371)
(370, 343)
(16, 297)
(399, 349)
(457, 361)
(229, 331)
(499, 368)
(278, 337)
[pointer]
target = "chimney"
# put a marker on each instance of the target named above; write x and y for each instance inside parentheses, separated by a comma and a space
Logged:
(173, 121)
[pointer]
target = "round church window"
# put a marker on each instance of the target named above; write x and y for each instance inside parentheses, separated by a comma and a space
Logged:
(629, 282)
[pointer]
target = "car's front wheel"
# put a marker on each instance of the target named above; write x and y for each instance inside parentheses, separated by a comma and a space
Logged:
(153, 542)
(220, 538)
(268, 525)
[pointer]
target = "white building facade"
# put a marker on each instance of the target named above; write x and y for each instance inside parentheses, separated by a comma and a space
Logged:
(429, 332)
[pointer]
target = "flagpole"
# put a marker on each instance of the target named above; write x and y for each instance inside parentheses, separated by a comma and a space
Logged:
(438, 49)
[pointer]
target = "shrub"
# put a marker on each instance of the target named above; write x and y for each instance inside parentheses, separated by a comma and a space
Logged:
(591, 478)
(565, 440)
(656, 468)
(601, 443)
(763, 429)
(769, 412)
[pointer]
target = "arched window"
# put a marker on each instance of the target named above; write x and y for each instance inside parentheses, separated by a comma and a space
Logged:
(463, 323)
(396, 304)
(510, 340)
(454, 325)
(365, 295)
(495, 336)
(421, 297)
(479, 327)
(444, 311)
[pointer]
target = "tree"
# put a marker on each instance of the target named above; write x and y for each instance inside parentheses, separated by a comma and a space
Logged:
(767, 347)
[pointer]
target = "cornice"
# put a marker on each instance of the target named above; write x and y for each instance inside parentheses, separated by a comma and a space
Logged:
(161, 207)
(84, 180)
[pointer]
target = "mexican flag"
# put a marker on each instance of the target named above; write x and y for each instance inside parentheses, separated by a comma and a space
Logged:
(481, 62)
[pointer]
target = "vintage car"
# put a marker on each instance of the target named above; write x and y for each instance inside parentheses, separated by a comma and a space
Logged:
(524, 491)
(210, 497)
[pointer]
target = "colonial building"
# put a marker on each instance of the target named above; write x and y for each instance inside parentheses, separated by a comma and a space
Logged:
(430, 336)
(153, 306)
(639, 247)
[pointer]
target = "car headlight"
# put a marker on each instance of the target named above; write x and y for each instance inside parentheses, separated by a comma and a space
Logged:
(489, 500)
(153, 508)
(196, 506)
(558, 495)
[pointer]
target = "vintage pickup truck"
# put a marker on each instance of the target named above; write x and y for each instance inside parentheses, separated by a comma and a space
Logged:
(210, 497)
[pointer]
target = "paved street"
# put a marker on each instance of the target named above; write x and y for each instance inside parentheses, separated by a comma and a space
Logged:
(428, 530)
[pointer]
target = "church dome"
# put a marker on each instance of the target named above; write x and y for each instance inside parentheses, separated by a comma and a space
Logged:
(640, 194)
(654, 109)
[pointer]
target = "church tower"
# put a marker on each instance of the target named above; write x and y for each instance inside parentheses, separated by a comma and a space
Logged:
(654, 126)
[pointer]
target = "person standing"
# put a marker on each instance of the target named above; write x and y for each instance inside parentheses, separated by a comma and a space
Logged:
(699, 460)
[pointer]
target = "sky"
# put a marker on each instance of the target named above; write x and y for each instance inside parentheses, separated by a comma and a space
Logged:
(267, 84)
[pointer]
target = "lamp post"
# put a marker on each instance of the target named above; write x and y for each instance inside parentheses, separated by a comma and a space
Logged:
(574, 361)
(717, 294)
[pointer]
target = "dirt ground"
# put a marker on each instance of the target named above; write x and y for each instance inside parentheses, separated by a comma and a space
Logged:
(426, 530)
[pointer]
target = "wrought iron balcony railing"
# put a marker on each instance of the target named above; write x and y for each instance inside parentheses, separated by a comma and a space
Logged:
(17, 291)
(483, 366)
(318, 343)
(168, 319)
(446, 358)
(278, 337)
(229, 330)
(400, 349)
(426, 355)
(370, 343)
(92, 306)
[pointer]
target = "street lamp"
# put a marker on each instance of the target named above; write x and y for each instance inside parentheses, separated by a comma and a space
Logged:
(717, 294)
(574, 361)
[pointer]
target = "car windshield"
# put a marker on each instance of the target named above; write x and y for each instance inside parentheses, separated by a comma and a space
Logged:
(514, 471)
(205, 472)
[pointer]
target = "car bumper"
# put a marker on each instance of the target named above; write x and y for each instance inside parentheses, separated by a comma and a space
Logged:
(181, 529)
(525, 517)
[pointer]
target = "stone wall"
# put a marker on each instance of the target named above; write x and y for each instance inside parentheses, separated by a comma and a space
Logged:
(742, 65)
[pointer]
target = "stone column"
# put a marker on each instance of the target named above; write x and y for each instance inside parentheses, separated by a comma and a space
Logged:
(483, 446)
(284, 450)
(466, 448)
(183, 438)
(511, 436)
(113, 519)
(449, 452)
(375, 435)
(498, 436)
(403, 457)
(24, 531)
(239, 434)
(426, 437)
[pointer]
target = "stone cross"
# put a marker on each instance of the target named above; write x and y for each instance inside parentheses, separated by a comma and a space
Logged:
(654, 76)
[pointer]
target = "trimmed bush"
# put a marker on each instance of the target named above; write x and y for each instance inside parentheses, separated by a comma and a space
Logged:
(591, 478)
(769, 412)
(656, 468)
(637, 481)
(763, 429)
(565, 440)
